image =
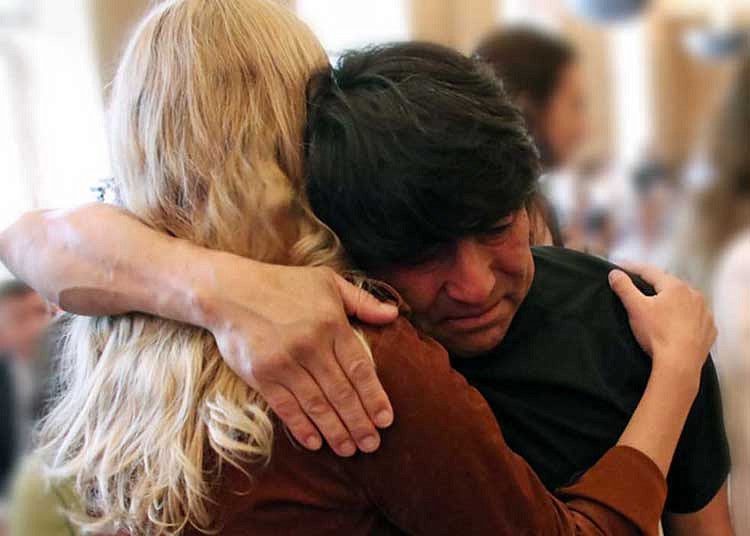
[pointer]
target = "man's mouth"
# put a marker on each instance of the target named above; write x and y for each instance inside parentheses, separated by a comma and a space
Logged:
(475, 320)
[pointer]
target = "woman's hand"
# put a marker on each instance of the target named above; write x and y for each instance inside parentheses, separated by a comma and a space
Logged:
(675, 327)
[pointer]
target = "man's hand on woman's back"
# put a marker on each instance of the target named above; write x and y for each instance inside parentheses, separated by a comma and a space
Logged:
(291, 340)
(285, 330)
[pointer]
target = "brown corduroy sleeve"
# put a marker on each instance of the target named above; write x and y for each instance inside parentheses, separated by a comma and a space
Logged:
(444, 467)
(624, 480)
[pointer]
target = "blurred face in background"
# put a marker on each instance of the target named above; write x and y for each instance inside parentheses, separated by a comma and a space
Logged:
(23, 319)
(562, 120)
(654, 208)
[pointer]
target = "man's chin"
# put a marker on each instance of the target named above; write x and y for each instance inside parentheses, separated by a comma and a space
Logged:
(472, 344)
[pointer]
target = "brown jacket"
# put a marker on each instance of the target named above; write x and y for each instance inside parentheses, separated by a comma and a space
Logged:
(443, 468)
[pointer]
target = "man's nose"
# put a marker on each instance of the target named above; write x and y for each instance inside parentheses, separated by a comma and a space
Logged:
(471, 278)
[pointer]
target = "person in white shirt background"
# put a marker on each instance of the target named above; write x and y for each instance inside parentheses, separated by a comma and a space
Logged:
(732, 310)
(720, 209)
(24, 317)
(715, 257)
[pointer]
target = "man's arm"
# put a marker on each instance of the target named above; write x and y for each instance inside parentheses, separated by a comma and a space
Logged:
(712, 520)
(283, 329)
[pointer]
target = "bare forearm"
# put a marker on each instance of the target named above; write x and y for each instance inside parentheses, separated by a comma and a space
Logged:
(657, 423)
(101, 260)
(267, 319)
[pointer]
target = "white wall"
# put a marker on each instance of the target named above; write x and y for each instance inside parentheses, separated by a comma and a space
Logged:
(52, 136)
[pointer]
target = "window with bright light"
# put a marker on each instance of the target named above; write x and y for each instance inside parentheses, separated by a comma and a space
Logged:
(343, 24)
(539, 13)
(67, 106)
(13, 189)
(632, 107)
(53, 145)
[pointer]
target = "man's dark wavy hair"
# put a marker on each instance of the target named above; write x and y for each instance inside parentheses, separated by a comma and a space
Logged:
(410, 146)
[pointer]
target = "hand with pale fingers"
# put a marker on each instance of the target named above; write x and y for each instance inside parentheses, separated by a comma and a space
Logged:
(299, 351)
(675, 326)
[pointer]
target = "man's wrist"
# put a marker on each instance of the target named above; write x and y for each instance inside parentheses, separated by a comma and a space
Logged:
(196, 291)
(215, 277)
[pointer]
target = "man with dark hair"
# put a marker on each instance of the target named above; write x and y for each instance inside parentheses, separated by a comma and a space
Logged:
(438, 176)
(423, 168)
(419, 163)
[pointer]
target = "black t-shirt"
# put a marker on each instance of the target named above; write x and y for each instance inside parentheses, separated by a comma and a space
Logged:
(568, 375)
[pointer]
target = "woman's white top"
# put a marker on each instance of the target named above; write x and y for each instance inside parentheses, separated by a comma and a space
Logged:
(732, 357)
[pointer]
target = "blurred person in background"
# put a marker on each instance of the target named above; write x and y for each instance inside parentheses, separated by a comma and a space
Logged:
(732, 309)
(600, 232)
(24, 317)
(721, 209)
(648, 232)
(541, 74)
(36, 506)
(718, 256)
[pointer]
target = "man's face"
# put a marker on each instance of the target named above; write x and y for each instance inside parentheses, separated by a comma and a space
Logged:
(466, 295)
(23, 319)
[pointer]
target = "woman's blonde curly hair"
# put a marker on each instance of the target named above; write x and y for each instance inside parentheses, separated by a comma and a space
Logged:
(207, 120)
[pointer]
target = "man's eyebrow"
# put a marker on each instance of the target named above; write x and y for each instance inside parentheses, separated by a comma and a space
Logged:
(425, 254)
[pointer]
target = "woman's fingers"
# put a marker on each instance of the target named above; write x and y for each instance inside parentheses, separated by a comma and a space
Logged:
(652, 275)
(625, 289)
(675, 326)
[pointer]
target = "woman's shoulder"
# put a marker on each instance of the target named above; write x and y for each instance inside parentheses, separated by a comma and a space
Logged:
(424, 388)
(402, 345)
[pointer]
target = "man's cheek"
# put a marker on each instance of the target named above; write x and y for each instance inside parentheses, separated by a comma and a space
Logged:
(422, 305)
(418, 290)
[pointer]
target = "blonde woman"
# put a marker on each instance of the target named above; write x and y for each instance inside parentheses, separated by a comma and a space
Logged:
(160, 436)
